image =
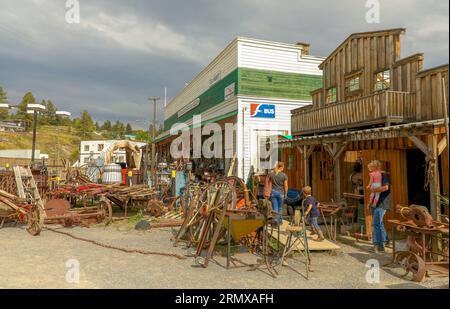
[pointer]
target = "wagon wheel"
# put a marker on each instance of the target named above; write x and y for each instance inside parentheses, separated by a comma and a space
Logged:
(34, 222)
(191, 214)
(412, 263)
(222, 197)
(105, 209)
(155, 208)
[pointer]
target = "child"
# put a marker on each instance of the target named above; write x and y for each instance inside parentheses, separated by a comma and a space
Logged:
(312, 213)
(374, 183)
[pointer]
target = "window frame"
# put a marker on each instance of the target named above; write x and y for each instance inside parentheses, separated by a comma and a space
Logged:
(383, 80)
(347, 84)
(328, 96)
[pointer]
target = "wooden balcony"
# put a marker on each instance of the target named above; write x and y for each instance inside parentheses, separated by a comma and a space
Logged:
(383, 108)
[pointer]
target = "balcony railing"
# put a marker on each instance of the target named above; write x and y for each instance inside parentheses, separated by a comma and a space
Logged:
(385, 107)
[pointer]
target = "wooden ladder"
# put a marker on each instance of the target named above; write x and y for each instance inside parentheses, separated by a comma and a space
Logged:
(26, 186)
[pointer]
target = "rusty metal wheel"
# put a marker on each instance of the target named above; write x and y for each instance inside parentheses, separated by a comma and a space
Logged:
(34, 222)
(155, 208)
(412, 263)
(105, 209)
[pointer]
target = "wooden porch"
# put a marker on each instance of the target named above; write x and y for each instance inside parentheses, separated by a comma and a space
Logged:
(383, 108)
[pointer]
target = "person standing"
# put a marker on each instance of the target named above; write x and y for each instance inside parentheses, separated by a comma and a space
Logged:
(279, 184)
(312, 213)
(384, 203)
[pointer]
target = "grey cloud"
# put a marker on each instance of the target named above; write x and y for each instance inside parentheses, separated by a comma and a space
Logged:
(125, 51)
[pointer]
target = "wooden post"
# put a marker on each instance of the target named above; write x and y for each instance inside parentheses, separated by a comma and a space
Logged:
(434, 176)
(306, 152)
(335, 151)
(306, 166)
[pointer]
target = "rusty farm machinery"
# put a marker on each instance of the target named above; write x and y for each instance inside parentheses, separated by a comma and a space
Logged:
(427, 243)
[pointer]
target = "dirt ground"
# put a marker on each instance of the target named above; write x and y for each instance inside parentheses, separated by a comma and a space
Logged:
(40, 262)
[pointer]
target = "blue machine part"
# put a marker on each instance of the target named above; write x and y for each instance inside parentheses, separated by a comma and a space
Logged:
(180, 183)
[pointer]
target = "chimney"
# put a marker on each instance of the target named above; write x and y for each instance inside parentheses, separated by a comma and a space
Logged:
(304, 47)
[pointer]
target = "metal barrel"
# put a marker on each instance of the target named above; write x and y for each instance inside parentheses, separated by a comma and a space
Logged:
(112, 174)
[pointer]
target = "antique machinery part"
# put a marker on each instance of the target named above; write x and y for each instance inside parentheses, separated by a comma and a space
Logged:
(105, 211)
(155, 208)
(412, 263)
(33, 218)
(414, 244)
(56, 208)
(241, 189)
(418, 215)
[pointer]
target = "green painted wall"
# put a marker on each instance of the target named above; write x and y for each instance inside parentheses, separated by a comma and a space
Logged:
(257, 83)
(210, 98)
(278, 85)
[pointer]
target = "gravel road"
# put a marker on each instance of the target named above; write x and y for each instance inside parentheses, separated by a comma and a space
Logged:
(40, 262)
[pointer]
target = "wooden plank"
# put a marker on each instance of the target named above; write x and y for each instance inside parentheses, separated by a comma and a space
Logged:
(419, 144)
(313, 245)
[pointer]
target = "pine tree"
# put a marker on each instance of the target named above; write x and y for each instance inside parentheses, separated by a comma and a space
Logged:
(128, 129)
(28, 98)
(50, 113)
(106, 126)
(85, 125)
(4, 113)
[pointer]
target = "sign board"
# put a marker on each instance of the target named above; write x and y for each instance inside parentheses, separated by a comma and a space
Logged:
(229, 91)
(259, 110)
(186, 109)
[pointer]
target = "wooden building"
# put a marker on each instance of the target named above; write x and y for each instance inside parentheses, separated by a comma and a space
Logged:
(252, 85)
(373, 105)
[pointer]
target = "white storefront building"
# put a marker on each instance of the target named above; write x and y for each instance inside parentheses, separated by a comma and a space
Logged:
(252, 83)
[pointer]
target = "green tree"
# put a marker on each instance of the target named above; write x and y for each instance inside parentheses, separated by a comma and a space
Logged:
(106, 126)
(28, 98)
(142, 136)
(128, 129)
(4, 113)
(85, 125)
(118, 129)
(50, 113)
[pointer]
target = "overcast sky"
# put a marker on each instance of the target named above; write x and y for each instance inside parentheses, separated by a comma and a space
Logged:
(123, 52)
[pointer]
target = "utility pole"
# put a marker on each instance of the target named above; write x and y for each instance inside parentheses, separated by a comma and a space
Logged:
(153, 166)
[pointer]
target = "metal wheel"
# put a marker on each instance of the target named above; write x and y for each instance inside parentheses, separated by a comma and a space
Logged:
(33, 217)
(412, 263)
(221, 197)
(105, 207)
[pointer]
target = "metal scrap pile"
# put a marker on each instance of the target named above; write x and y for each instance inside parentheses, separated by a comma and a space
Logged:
(210, 209)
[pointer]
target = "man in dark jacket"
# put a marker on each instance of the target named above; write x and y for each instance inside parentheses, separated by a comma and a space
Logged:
(379, 235)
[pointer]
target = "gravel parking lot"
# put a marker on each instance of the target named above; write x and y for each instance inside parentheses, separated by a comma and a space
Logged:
(40, 262)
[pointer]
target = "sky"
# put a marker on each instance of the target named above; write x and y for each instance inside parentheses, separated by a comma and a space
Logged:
(123, 52)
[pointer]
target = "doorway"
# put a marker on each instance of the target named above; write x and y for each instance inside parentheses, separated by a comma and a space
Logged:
(416, 167)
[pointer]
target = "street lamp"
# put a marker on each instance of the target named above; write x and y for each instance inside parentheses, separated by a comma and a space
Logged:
(34, 109)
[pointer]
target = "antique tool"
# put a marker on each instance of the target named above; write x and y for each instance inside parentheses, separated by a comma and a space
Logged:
(422, 258)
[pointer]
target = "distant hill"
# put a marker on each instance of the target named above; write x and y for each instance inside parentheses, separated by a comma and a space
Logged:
(55, 141)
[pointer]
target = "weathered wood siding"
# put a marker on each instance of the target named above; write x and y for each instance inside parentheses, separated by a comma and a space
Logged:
(430, 101)
(404, 72)
(368, 53)
(294, 171)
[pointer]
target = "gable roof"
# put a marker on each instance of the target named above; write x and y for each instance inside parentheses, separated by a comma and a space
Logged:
(395, 31)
